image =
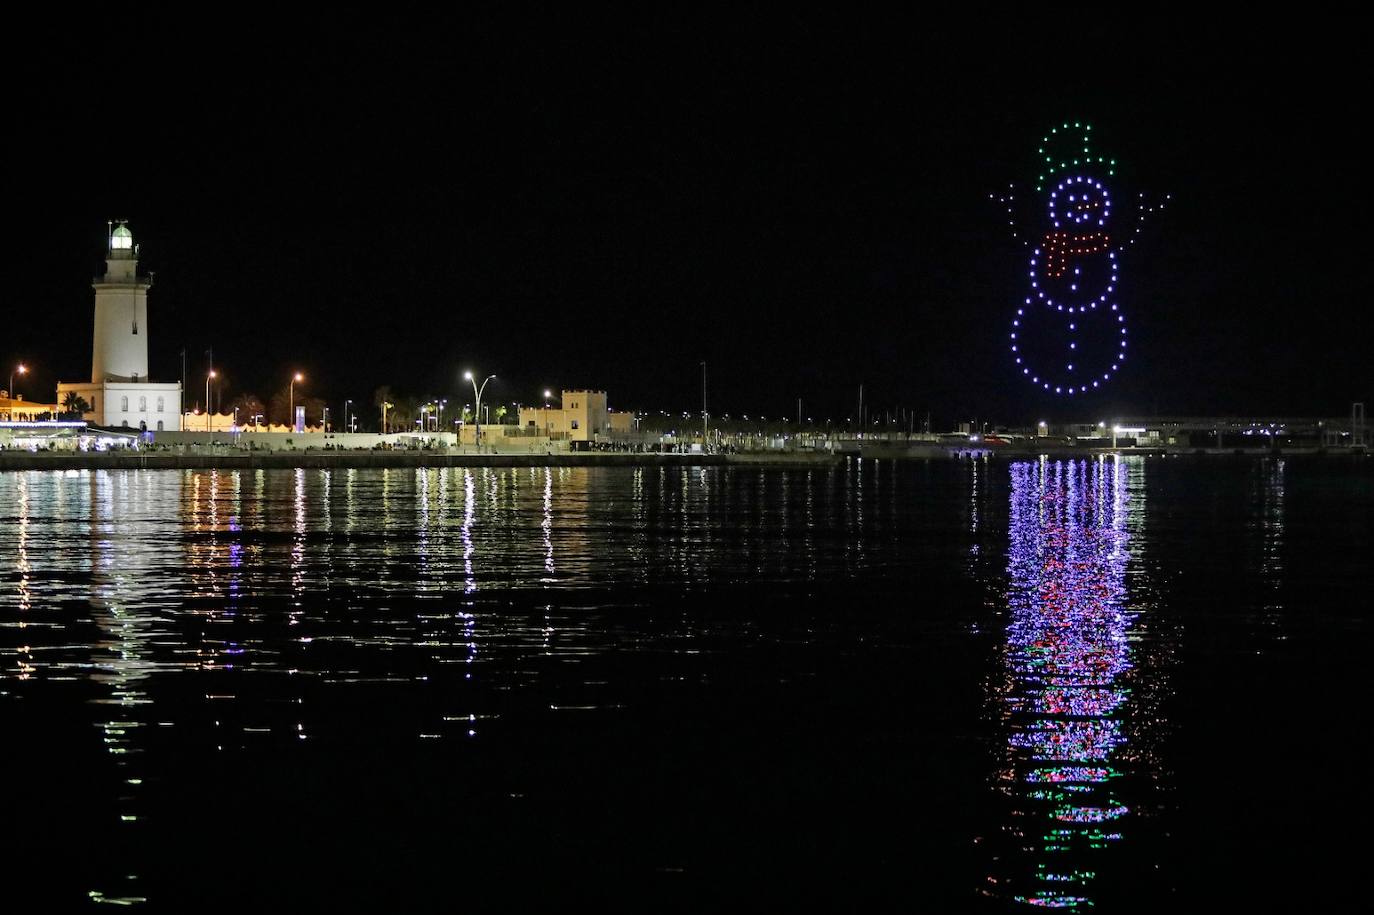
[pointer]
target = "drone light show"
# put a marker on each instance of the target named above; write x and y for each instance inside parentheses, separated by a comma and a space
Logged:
(1069, 336)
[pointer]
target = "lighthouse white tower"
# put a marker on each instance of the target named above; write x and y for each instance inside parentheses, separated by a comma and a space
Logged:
(119, 392)
(120, 350)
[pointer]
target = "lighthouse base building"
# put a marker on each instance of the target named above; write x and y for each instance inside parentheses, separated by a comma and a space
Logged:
(120, 393)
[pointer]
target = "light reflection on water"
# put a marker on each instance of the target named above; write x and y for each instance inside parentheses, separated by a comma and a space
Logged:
(311, 577)
(185, 616)
(1075, 527)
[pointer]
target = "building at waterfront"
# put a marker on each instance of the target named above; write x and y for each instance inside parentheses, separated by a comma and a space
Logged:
(17, 409)
(120, 393)
(198, 421)
(581, 417)
(62, 435)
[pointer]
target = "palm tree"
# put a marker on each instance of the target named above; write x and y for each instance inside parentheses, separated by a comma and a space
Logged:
(279, 408)
(75, 405)
(246, 406)
(382, 400)
(402, 413)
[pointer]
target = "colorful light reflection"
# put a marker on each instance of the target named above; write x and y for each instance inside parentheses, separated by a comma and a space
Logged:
(1068, 649)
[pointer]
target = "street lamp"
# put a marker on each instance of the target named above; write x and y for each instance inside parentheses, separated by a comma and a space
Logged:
(477, 413)
(22, 369)
(348, 425)
(208, 375)
(705, 417)
(291, 399)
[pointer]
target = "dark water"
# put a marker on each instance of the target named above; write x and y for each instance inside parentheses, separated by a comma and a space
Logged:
(1107, 684)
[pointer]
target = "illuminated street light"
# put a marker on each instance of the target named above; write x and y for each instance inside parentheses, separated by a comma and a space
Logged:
(477, 413)
(208, 375)
(705, 417)
(22, 369)
(291, 399)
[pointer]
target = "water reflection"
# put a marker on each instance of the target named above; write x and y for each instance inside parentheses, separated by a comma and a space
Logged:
(1271, 524)
(250, 622)
(1068, 663)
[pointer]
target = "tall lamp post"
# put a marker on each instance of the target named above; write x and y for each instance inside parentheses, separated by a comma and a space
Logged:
(208, 375)
(705, 421)
(477, 413)
(21, 369)
(291, 399)
(348, 425)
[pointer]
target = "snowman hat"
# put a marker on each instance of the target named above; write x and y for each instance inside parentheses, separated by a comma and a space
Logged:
(1066, 148)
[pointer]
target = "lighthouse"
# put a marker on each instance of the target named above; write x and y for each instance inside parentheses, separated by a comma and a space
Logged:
(120, 392)
(120, 348)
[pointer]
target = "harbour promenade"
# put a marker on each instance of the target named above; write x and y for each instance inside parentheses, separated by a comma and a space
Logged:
(129, 459)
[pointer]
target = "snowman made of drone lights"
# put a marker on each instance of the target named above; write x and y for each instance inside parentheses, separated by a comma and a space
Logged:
(1069, 336)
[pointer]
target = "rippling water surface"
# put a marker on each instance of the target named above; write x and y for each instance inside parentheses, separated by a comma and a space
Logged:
(1094, 684)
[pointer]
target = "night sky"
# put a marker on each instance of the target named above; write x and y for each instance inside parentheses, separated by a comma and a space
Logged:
(596, 202)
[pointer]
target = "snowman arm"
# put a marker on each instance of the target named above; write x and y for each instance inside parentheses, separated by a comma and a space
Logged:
(1012, 204)
(1146, 207)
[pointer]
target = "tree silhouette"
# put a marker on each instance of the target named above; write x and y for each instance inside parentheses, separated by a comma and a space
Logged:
(382, 400)
(248, 405)
(279, 409)
(73, 404)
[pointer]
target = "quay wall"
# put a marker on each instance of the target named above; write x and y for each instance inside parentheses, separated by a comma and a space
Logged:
(239, 459)
(254, 460)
